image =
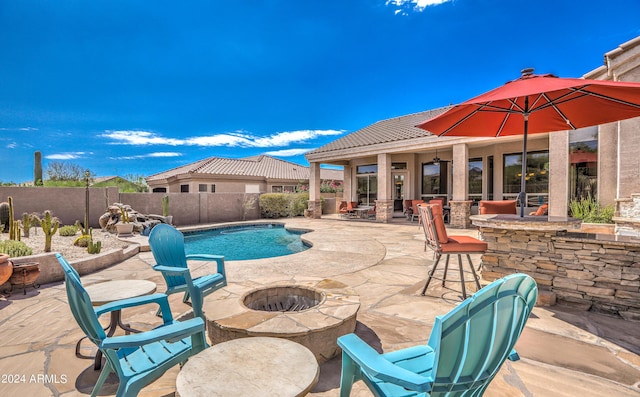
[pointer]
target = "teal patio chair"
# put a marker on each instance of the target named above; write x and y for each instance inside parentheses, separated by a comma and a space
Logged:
(167, 246)
(466, 348)
(138, 359)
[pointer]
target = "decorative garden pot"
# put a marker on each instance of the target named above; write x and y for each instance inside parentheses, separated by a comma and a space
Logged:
(124, 229)
(6, 268)
(25, 273)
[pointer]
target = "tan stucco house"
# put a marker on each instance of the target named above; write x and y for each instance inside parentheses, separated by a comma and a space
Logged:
(257, 174)
(393, 160)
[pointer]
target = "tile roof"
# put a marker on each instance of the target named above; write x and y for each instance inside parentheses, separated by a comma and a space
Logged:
(256, 166)
(390, 130)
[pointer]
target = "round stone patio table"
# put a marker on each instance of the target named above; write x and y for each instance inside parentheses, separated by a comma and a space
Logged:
(254, 366)
(111, 291)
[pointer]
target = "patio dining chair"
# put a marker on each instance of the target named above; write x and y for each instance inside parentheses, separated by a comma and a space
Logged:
(414, 207)
(441, 243)
(137, 359)
(465, 350)
(167, 246)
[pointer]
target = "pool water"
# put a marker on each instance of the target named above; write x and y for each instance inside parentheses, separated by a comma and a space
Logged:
(245, 242)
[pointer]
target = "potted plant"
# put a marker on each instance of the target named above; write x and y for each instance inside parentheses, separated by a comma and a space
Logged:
(124, 227)
(165, 210)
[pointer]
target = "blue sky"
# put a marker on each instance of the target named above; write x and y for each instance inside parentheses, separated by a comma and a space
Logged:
(138, 87)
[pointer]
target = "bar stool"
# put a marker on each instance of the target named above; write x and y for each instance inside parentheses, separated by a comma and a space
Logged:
(442, 244)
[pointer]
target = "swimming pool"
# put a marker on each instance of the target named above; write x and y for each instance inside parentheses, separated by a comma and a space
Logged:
(242, 242)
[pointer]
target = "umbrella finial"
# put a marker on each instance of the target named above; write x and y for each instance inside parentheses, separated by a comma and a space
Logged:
(527, 72)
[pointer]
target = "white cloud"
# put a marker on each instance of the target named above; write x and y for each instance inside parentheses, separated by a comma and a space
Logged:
(19, 129)
(415, 5)
(231, 139)
(148, 155)
(164, 154)
(287, 152)
(12, 145)
(141, 138)
(65, 156)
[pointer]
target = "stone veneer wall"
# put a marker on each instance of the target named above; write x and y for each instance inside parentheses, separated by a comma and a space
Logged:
(627, 219)
(597, 275)
(384, 210)
(459, 215)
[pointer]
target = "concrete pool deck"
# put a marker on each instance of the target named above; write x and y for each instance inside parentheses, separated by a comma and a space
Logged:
(564, 351)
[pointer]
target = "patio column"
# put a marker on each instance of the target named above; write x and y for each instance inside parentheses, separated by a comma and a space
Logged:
(315, 201)
(384, 203)
(460, 205)
(608, 164)
(346, 183)
(559, 174)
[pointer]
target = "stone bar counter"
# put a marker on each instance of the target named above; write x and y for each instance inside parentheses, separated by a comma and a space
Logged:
(591, 271)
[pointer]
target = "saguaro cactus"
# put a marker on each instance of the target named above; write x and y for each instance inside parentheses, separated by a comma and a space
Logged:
(165, 206)
(12, 234)
(49, 227)
(28, 221)
(37, 169)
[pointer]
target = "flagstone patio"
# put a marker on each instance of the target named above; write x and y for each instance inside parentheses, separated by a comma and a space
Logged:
(564, 351)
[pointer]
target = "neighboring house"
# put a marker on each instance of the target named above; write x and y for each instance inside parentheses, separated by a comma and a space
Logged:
(393, 160)
(101, 179)
(258, 174)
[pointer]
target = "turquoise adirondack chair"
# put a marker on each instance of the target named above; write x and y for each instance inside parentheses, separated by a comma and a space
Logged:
(466, 348)
(138, 359)
(167, 246)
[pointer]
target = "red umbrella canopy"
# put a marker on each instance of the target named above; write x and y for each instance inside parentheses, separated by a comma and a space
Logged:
(551, 103)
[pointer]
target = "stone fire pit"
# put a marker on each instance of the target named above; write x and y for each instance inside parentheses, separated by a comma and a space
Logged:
(313, 313)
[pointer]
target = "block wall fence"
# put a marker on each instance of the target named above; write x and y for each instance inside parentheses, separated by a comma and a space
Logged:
(68, 204)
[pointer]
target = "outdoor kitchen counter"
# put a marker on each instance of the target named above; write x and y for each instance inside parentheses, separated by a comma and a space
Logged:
(591, 271)
(528, 222)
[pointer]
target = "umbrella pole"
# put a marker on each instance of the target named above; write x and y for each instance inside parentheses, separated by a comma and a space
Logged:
(523, 194)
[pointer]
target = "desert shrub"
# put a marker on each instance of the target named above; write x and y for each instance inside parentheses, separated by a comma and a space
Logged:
(297, 203)
(15, 248)
(590, 210)
(82, 241)
(273, 205)
(68, 230)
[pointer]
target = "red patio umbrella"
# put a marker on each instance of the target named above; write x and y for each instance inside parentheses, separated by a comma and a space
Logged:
(535, 104)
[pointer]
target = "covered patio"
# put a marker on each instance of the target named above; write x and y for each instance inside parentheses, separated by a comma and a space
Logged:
(392, 160)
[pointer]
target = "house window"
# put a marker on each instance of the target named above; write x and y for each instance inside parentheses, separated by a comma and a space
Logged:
(213, 188)
(475, 180)
(159, 190)
(202, 188)
(583, 162)
(367, 169)
(434, 179)
(537, 176)
(283, 189)
(367, 184)
(184, 188)
(398, 166)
